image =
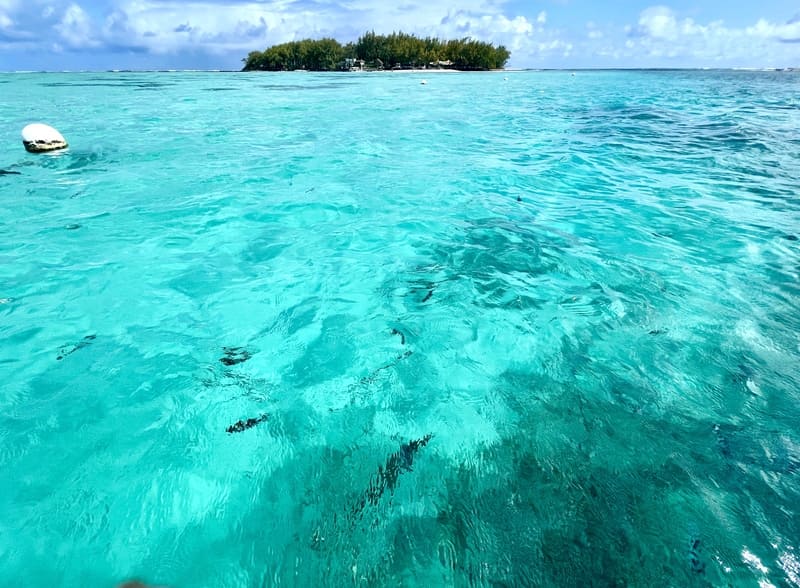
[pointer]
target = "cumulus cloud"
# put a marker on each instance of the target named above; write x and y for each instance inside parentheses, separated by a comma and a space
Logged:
(661, 33)
(169, 27)
(172, 26)
(6, 7)
(226, 30)
(659, 22)
(787, 33)
(75, 28)
(234, 27)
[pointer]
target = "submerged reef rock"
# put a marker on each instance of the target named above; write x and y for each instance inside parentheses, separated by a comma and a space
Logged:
(372, 376)
(402, 336)
(8, 172)
(425, 286)
(65, 351)
(240, 426)
(388, 474)
(234, 355)
(40, 138)
(697, 566)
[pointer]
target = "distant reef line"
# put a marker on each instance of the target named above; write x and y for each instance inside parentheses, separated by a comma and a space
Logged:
(379, 52)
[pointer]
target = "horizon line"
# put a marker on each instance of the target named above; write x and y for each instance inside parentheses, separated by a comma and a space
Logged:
(505, 70)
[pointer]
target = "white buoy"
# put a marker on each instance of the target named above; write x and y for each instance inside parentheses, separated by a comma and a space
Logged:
(40, 138)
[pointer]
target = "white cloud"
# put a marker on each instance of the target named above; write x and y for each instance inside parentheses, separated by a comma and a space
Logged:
(661, 33)
(659, 22)
(75, 28)
(169, 27)
(593, 32)
(172, 26)
(657, 36)
(783, 32)
(6, 9)
(487, 26)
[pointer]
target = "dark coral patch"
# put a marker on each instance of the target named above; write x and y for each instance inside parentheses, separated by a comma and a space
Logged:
(388, 474)
(243, 425)
(65, 351)
(234, 355)
(402, 336)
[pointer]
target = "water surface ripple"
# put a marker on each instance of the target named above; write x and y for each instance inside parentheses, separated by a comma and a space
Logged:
(503, 329)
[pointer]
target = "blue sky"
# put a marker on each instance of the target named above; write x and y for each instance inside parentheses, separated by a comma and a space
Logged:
(216, 34)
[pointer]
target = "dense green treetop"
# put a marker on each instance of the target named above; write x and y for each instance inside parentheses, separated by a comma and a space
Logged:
(398, 50)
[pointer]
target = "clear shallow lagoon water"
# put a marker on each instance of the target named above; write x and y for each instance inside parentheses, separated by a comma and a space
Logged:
(534, 331)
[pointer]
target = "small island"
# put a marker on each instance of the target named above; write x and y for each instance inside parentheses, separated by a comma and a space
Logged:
(378, 52)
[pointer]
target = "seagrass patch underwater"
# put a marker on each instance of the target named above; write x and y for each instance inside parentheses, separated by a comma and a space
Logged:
(515, 328)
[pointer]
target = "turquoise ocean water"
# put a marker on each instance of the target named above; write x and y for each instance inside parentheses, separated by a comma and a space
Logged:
(542, 330)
